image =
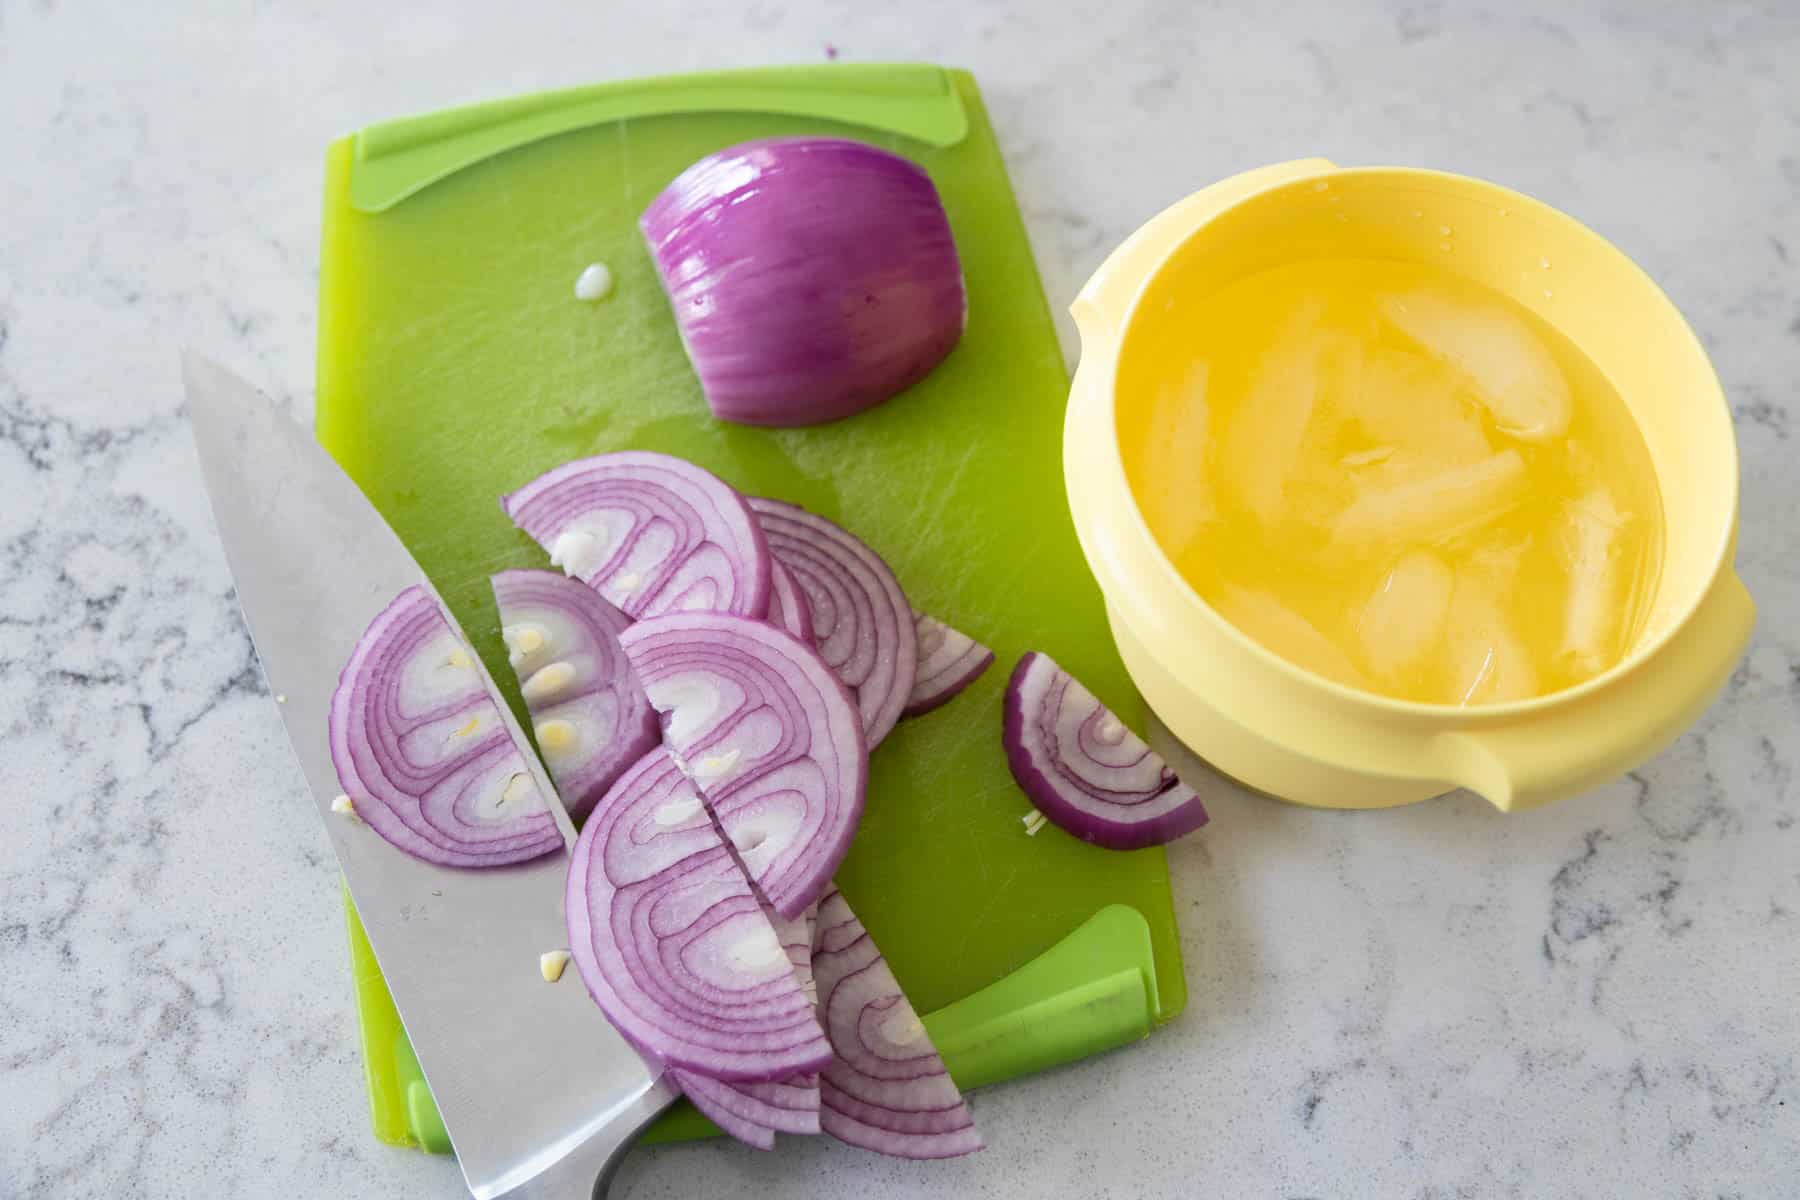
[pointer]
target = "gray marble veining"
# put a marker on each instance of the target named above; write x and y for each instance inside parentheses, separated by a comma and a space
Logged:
(1596, 999)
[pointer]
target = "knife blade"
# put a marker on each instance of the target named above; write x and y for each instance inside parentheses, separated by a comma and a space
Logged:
(538, 1092)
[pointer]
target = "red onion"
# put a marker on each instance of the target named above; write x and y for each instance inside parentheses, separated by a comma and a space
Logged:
(591, 717)
(862, 624)
(421, 750)
(948, 662)
(886, 1088)
(757, 1108)
(672, 943)
(788, 609)
(811, 277)
(651, 533)
(766, 732)
(1084, 770)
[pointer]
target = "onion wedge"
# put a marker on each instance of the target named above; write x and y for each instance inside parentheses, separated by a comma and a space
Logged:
(1084, 770)
(948, 662)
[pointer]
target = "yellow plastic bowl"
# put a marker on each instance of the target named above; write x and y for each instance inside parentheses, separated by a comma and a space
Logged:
(1296, 735)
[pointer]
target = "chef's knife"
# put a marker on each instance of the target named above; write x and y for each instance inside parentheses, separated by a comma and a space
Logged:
(539, 1093)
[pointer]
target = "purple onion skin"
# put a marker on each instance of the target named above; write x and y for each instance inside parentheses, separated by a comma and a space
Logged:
(811, 278)
(1058, 779)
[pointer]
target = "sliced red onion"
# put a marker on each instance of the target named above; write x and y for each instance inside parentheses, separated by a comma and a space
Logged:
(1084, 770)
(948, 662)
(671, 941)
(765, 731)
(886, 1088)
(592, 719)
(788, 609)
(651, 533)
(811, 278)
(862, 624)
(789, 1107)
(421, 749)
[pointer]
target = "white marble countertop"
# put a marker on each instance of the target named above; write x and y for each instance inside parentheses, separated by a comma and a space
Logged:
(1598, 999)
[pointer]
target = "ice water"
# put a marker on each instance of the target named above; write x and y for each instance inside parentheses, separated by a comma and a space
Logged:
(1400, 480)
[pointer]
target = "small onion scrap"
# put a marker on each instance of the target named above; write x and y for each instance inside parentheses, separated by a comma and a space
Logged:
(862, 624)
(591, 717)
(651, 533)
(948, 662)
(811, 278)
(672, 943)
(1084, 770)
(421, 749)
(886, 1088)
(767, 734)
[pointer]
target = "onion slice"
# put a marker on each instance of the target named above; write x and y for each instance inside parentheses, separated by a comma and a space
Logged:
(592, 719)
(1084, 770)
(421, 749)
(788, 609)
(651, 533)
(811, 278)
(671, 942)
(767, 734)
(948, 662)
(886, 1088)
(862, 624)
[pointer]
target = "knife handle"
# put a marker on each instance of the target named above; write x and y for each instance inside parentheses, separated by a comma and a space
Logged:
(586, 1172)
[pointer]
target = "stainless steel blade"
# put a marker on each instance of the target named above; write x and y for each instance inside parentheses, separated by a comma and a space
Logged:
(529, 1076)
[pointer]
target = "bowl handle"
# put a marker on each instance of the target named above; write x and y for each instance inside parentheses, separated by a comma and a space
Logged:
(1100, 307)
(1549, 756)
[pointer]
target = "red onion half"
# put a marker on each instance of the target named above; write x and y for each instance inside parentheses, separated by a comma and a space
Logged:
(671, 942)
(886, 1088)
(592, 719)
(651, 533)
(1084, 770)
(765, 731)
(862, 624)
(811, 278)
(948, 662)
(421, 750)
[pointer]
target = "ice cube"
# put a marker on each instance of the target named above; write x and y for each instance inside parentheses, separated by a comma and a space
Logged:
(1403, 621)
(1406, 401)
(1277, 627)
(1485, 662)
(1262, 442)
(1435, 507)
(1509, 367)
(1589, 549)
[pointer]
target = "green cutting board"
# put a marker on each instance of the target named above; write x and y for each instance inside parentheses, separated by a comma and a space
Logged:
(455, 364)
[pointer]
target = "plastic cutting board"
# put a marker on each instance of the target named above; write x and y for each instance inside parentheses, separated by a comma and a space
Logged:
(455, 364)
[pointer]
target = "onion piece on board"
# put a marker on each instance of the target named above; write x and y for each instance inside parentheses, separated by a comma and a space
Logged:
(886, 1088)
(1084, 770)
(767, 734)
(421, 750)
(862, 624)
(948, 662)
(651, 533)
(811, 278)
(788, 609)
(672, 943)
(591, 717)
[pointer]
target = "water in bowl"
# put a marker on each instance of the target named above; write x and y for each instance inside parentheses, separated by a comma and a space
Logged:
(1400, 480)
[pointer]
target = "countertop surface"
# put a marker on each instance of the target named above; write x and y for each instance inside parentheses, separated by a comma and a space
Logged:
(1597, 999)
